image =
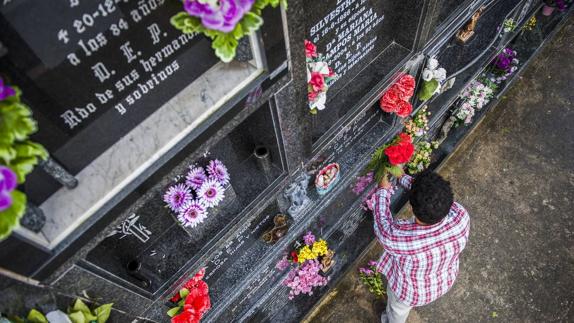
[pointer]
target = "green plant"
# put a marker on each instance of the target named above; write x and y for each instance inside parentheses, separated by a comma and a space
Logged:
(78, 313)
(373, 279)
(225, 43)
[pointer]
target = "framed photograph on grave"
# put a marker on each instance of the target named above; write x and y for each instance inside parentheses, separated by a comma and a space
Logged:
(115, 89)
(364, 41)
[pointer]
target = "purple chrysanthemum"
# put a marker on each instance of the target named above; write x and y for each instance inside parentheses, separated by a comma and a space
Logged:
(218, 171)
(309, 238)
(195, 177)
(176, 196)
(192, 213)
(5, 90)
(8, 183)
(211, 193)
(220, 15)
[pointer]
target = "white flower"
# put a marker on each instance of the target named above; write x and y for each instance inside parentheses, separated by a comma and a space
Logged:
(514, 61)
(432, 63)
(427, 75)
(320, 67)
(440, 74)
(320, 101)
(513, 69)
(438, 87)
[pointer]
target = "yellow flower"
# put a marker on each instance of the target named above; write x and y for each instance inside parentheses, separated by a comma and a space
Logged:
(306, 253)
(320, 247)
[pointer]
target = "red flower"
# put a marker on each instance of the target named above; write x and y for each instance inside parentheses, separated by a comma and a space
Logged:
(311, 96)
(389, 101)
(331, 72)
(176, 298)
(294, 256)
(317, 81)
(404, 109)
(186, 317)
(405, 137)
(310, 49)
(400, 153)
(407, 85)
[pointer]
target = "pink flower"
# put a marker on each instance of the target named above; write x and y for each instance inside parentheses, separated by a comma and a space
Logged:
(177, 196)
(309, 238)
(218, 171)
(192, 214)
(8, 183)
(282, 264)
(195, 177)
(317, 81)
(310, 49)
(210, 193)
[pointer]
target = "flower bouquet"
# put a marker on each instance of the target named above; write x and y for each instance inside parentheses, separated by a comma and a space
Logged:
(373, 279)
(504, 65)
(224, 21)
(192, 301)
(433, 76)
(78, 312)
(530, 24)
(327, 177)
(203, 189)
(474, 97)
(508, 25)
(389, 158)
(308, 261)
(417, 126)
(396, 98)
(319, 77)
(18, 155)
(422, 157)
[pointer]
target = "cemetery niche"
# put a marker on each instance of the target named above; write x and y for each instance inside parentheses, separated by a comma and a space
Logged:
(171, 171)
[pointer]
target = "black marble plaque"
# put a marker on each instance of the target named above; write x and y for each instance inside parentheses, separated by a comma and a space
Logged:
(362, 40)
(93, 70)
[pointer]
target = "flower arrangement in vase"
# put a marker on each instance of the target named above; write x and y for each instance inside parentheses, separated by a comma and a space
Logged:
(308, 261)
(396, 98)
(319, 77)
(504, 65)
(18, 155)
(433, 76)
(326, 178)
(390, 157)
(224, 21)
(192, 300)
(474, 97)
(202, 189)
(372, 278)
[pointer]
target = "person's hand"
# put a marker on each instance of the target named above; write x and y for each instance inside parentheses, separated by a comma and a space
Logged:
(384, 183)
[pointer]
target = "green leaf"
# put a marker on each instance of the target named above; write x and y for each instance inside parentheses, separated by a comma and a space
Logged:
(103, 312)
(30, 149)
(36, 317)
(183, 292)
(77, 317)
(23, 167)
(173, 311)
(79, 305)
(396, 171)
(225, 46)
(251, 22)
(7, 153)
(238, 32)
(10, 218)
(428, 89)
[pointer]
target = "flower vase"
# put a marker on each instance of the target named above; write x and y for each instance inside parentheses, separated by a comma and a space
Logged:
(547, 10)
(327, 178)
(263, 158)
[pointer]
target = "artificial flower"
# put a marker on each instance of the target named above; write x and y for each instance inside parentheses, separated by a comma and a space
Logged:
(432, 63)
(192, 213)
(294, 256)
(399, 153)
(320, 248)
(218, 171)
(195, 177)
(282, 264)
(221, 15)
(310, 49)
(439, 74)
(5, 90)
(302, 279)
(317, 81)
(404, 109)
(177, 196)
(320, 101)
(389, 101)
(309, 238)
(404, 137)
(211, 193)
(8, 183)
(304, 254)
(427, 75)
(407, 85)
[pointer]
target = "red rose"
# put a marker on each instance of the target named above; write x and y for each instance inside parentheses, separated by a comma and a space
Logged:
(407, 83)
(317, 81)
(186, 317)
(389, 101)
(404, 109)
(405, 137)
(400, 92)
(331, 72)
(294, 256)
(176, 298)
(400, 153)
(310, 49)
(312, 95)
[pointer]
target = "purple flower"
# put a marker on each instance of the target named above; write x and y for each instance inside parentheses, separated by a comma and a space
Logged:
(5, 90)
(282, 264)
(192, 213)
(195, 177)
(8, 183)
(218, 171)
(211, 193)
(220, 15)
(303, 279)
(176, 196)
(309, 238)
(373, 263)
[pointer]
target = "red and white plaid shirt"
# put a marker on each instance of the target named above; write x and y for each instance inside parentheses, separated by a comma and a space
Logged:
(420, 262)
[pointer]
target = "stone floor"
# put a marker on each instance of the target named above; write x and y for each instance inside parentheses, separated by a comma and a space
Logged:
(515, 175)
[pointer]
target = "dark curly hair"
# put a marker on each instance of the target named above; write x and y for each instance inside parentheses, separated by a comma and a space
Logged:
(430, 197)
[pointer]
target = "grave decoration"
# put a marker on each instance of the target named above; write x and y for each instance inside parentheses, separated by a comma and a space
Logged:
(372, 278)
(550, 5)
(319, 77)
(433, 77)
(474, 97)
(326, 178)
(530, 24)
(224, 21)
(280, 228)
(396, 98)
(508, 25)
(464, 34)
(504, 65)
(79, 312)
(389, 158)
(18, 155)
(417, 126)
(192, 300)
(309, 260)
(203, 189)
(421, 159)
